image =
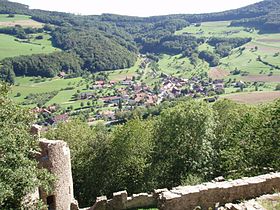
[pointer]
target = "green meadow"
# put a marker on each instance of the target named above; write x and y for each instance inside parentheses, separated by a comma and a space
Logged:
(10, 47)
(5, 18)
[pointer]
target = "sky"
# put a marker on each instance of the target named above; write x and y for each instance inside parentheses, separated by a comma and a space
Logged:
(141, 8)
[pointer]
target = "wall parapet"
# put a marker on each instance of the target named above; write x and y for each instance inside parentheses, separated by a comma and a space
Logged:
(121, 201)
(209, 194)
(205, 195)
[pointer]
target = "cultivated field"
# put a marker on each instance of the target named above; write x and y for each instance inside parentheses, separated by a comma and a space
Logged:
(22, 20)
(218, 73)
(261, 78)
(254, 97)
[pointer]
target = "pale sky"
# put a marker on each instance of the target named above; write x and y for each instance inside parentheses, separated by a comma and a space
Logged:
(136, 7)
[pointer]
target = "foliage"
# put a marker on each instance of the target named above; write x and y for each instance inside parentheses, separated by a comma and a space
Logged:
(18, 168)
(209, 57)
(183, 137)
(223, 46)
(96, 50)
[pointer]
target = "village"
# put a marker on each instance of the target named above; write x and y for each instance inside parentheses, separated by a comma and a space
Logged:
(104, 98)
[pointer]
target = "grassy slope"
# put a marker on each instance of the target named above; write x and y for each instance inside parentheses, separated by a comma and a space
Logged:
(4, 18)
(11, 48)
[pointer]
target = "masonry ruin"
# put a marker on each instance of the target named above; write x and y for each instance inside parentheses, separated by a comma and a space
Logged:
(55, 156)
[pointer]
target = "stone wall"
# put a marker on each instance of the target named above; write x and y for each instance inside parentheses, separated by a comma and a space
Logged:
(205, 195)
(209, 194)
(120, 201)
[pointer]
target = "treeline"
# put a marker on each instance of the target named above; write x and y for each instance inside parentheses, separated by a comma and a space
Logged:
(189, 143)
(268, 22)
(20, 32)
(44, 65)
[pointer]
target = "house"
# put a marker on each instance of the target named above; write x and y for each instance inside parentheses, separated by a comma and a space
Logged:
(108, 114)
(126, 82)
(61, 74)
(111, 99)
(218, 86)
(87, 95)
(58, 118)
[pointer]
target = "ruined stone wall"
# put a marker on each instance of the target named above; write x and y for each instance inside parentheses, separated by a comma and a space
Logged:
(189, 197)
(209, 194)
(55, 156)
(120, 201)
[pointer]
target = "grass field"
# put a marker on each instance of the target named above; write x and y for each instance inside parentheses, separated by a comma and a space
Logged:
(9, 47)
(218, 28)
(23, 20)
(119, 75)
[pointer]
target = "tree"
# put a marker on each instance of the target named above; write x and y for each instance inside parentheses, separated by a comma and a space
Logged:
(120, 104)
(130, 156)
(277, 87)
(18, 167)
(183, 138)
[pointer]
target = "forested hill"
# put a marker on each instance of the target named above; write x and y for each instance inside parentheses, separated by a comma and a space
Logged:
(108, 42)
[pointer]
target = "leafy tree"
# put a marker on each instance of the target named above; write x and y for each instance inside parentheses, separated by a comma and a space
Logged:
(183, 139)
(130, 152)
(19, 174)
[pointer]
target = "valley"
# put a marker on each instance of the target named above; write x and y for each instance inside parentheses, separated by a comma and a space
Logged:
(247, 69)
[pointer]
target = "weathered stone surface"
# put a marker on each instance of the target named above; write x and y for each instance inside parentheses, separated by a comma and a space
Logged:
(208, 194)
(55, 156)
(140, 200)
